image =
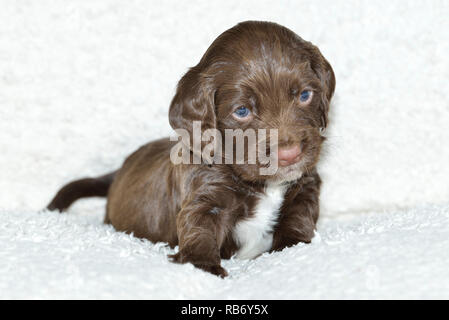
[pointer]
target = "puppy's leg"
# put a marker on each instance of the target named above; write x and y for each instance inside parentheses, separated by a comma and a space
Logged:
(200, 234)
(298, 216)
(296, 226)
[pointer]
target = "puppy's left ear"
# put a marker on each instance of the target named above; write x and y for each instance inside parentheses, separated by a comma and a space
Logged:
(327, 77)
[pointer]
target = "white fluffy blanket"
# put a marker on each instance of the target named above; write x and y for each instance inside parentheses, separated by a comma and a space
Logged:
(83, 84)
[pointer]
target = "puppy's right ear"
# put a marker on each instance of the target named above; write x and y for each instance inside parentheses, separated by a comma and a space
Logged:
(193, 101)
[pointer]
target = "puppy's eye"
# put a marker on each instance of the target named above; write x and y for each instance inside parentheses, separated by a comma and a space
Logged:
(242, 112)
(305, 96)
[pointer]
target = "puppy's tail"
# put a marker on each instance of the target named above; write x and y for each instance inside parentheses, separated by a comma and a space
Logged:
(83, 188)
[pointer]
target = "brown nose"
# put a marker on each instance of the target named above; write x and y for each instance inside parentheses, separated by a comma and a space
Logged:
(289, 155)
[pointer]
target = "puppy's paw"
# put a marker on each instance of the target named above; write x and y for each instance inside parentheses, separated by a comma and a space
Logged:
(214, 269)
(175, 258)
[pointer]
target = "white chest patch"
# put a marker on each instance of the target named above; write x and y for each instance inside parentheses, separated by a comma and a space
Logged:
(255, 235)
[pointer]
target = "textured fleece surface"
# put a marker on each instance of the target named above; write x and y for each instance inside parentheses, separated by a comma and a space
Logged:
(84, 83)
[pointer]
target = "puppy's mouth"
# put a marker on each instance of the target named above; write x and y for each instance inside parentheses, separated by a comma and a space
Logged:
(290, 172)
(286, 164)
(293, 161)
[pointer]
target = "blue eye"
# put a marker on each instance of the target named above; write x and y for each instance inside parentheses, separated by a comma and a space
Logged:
(305, 95)
(242, 112)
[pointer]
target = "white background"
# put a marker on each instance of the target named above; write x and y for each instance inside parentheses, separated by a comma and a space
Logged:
(84, 83)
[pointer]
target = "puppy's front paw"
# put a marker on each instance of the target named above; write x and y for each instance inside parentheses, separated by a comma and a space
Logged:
(215, 269)
(175, 258)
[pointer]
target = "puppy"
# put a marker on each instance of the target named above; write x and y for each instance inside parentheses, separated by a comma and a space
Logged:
(256, 75)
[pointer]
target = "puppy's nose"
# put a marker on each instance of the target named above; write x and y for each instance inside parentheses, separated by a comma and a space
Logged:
(289, 155)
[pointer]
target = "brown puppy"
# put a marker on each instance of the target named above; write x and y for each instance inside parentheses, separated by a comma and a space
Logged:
(256, 75)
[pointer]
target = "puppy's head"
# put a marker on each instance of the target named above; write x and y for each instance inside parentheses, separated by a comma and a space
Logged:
(260, 75)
